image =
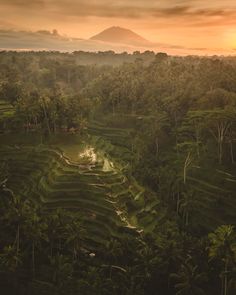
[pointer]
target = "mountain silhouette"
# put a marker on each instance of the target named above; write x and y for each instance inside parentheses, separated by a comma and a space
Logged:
(120, 35)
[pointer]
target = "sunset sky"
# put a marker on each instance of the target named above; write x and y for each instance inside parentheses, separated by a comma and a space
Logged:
(207, 25)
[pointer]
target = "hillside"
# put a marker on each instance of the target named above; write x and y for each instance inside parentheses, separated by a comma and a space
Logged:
(120, 35)
(117, 180)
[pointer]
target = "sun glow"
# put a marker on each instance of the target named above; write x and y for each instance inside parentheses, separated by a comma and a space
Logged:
(230, 39)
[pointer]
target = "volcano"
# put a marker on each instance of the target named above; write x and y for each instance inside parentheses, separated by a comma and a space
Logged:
(121, 36)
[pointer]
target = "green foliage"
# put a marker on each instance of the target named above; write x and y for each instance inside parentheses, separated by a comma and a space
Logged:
(223, 243)
(189, 280)
(223, 247)
(89, 228)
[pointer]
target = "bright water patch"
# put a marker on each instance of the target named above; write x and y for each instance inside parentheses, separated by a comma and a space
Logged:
(88, 154)
(107, 165)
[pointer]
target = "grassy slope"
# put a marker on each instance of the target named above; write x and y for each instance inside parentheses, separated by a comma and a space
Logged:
(110, 203)
(6, 110)
(214, 200)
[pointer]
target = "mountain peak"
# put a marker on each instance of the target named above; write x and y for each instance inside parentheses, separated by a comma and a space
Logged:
(120, 35)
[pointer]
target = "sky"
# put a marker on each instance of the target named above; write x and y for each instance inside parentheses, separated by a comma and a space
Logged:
(205, 25)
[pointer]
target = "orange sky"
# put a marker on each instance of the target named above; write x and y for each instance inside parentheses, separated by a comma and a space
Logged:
(203, 24)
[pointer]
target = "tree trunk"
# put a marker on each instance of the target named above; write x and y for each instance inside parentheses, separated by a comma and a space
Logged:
(46, 117)
(17, 242)
(176, 135)
(219, 135)
(33, 259)
(197, 137)
(222, 286)
(226, 277)
(27, 126)
(54, 127)
(110, 271)
(220, 151)
(68, 77)
(157, 147)
(186, 164)
(186, 218)
(185, 168)
(178, 201)
(113, 108)
(231, 152)
(51, 249)
(36, 122)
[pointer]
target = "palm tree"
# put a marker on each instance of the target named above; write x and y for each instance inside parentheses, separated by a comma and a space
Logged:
(74, 234)
(16, 216)
(55, 228)
(10, 259)
(232, 281)
(189, 280)
(35, 229)
(147, 260)
(115, 250)
(186, 205)
(62, 270)
(223, 247)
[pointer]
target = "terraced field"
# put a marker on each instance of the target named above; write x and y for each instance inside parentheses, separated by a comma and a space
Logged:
(6, 109)
(91, 177)
(109, 203)
(116, 141)
(214, 202)
(146, 211)
(7, 112)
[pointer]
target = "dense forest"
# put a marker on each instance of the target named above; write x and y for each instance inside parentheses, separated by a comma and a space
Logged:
(117, 174)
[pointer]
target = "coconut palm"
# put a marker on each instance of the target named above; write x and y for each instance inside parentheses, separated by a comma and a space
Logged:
(35, 232)
(186, 205)
(114, 249)
(147, 260)
(10, 259)
(223, 247)
(232, 281)
(55, 229)
(74, 234)
(189, 280)
(62, 270)
(19, 211)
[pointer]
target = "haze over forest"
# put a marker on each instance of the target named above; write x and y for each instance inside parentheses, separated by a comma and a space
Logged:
(117, 147)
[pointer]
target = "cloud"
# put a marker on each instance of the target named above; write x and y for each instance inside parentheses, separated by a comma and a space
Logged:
(124, 9)
(46, 40)
(46, 14)
(22, 3)
(194, 23)
(4, 24)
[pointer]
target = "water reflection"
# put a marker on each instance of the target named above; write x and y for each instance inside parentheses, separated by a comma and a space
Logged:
(92, 157)
(107, 165)
(88, 154)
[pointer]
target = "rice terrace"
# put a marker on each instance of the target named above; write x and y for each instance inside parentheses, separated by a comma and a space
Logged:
(117, 147)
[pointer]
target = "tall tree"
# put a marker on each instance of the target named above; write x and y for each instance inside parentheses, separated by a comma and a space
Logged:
(223, 247)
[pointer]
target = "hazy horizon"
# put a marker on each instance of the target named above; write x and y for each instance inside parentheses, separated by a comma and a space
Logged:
(118, 147)
(190, 27)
